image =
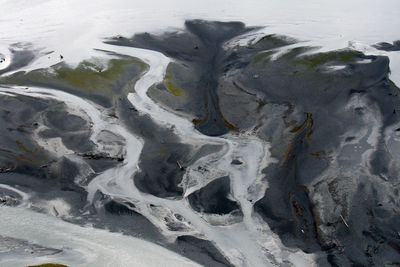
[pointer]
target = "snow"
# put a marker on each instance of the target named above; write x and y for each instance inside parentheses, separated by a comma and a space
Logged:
(81, 246)
(73, 28)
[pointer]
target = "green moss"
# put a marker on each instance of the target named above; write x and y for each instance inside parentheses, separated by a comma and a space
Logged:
(174, 89)
(344, 56)
(295, 52)
(272, 41)
(262, 57)
(89, 76)
(86, 76)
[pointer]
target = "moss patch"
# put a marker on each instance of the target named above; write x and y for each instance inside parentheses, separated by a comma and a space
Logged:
(262, 58)
(86, 76)
(172, 87)
(344, 56)
(272, 41)
(89, 76)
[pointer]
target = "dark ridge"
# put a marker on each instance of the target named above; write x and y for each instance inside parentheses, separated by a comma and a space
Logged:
(236, 162)
(116, 208)
(208, 255)
(395, 46)
(199, 53)
(161, 175)
(293, 217)
(65, 121)
(212, 198)
(200, 49)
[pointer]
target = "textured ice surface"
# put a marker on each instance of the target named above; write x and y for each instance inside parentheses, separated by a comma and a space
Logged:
(65, 243)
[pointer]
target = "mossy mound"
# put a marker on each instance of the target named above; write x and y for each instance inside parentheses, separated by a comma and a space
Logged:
(171, 86)
(340, 56)
(87, 76)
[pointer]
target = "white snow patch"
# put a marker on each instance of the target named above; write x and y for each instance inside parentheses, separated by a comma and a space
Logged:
(81, 246)
(73, 28)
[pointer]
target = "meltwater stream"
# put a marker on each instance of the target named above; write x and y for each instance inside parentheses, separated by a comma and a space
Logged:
(247, 243)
